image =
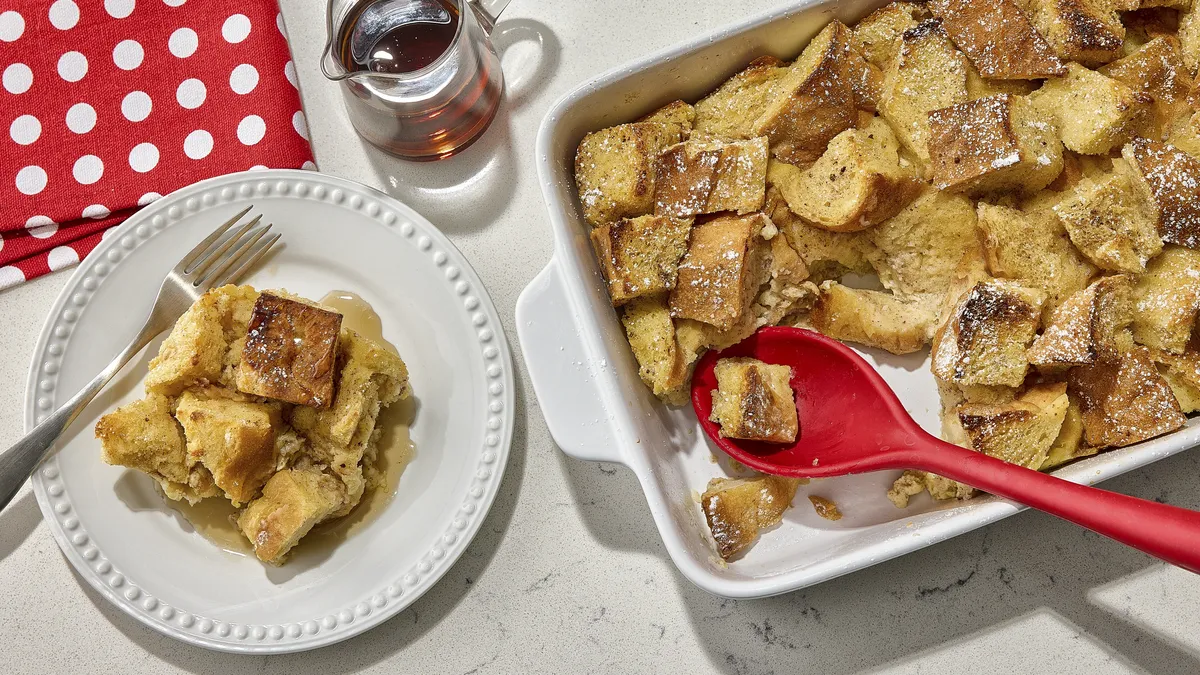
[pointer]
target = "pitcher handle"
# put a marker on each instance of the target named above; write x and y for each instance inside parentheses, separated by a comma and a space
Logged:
(488, 12)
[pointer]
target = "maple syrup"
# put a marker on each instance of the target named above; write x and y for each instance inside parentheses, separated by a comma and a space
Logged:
(406, 47)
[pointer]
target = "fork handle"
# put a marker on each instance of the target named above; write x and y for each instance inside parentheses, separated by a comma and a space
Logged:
(20, 461)
(1166, 532)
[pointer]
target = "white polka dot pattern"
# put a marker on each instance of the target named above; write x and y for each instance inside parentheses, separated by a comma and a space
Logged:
(392, 595)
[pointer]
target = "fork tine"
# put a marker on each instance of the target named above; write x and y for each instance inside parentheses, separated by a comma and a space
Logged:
(244, 244)
(209, 259)
(251, 259)
(202, 247)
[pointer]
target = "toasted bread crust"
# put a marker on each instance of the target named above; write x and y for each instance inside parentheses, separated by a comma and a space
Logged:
(1173, 179)
(1124, 400)
(999, 39)
(721, 272)
(729, 112)
(698, 177)
(639, 256)
(290, 352)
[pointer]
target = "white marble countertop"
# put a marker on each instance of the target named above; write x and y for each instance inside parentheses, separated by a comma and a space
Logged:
(568, 574)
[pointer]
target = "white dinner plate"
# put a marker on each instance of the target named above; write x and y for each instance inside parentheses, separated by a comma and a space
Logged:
(337, 235)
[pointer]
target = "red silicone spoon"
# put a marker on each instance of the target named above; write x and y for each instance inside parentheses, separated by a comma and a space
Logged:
(852, 422)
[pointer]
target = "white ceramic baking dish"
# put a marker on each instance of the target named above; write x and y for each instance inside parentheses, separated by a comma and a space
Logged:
(597, 409)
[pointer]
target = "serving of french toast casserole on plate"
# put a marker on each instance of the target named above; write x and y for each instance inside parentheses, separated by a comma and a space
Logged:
(1013, 184)
(267, 401)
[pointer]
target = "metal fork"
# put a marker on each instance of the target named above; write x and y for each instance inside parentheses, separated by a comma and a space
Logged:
(216, 261)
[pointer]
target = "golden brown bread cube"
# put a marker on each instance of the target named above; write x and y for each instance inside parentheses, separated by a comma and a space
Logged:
(826, 255)
(738, 509)
(234, 440)
(999, 39)
(1124, 400)
(874, 318)
(931, 246)
(1189, 37)
(878, 34)
(143, 435)
(866, 79)
(1182, 373)
(991, 144)
(292, 502)
(927, 74)
(858, 182)
(1167, 298)
(1185, 134)
(729, 112)
(1069, 445)
(788, 291)
(813, 102)
(614, 167)
(1093, 113)
(1021, 432)
(719, 276)
(754, 401)
(1172, 178)
(1143, 25)
(1034, 249)
(1086, 31)
(984, 341)
(707, 176)
(195, 350)
(290, 352)
(1092, 324)
(1111, 220)
(1156, 71)
(651, 335)
(639, 256)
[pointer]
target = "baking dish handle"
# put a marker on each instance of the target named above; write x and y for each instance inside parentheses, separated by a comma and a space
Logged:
(561, 370)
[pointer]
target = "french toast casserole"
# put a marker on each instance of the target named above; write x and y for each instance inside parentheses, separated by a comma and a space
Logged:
(266, 400)
(1014, 184)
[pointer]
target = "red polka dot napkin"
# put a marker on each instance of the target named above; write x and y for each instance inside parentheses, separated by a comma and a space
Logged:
(107, 105)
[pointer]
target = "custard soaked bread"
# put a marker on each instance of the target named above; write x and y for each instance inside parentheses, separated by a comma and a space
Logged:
(221, 417)
(1015, 182)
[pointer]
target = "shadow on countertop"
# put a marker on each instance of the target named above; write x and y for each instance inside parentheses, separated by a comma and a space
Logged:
(17, 522)
(375, 645)
(466, 193)
(943, 594)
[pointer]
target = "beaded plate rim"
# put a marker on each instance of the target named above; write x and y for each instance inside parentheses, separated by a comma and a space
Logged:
(393, 595)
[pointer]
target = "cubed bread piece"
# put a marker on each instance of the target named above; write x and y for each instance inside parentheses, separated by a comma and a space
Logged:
(927, 74)
(999, 39)
(234, 440)
(985, 340)
(1085, 31)
(826, 255)
(1124, 400)
(874, 318)
(1147, 23)
(729, 112)
(677, 116)
(1093, 113)
(1182, 373)
(1069, 445)
(639, 256)
(857, 183)
(879, 34)
(737, 509)
(813, 102)
(1112, 221)
(1167, 298)
(1185, 134)
(912, 483)
(1033, 249)
(1189, 37)
(1156, 71)
(1092, 324)
(866, 79)
(991, 144)
(706, 176)
(290, 352)
(614, 167)
(293, 501)
(788, 291)
(194, 352)
(143, 435)
(651, 335)
(754, 401)
(722, 271)
(931, 246)
(1021, 432)
(1172, 178)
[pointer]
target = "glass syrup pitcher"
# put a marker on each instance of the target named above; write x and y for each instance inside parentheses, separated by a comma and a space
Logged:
(421, 78)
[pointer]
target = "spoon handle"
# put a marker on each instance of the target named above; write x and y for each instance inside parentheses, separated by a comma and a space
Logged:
(1166, 532)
